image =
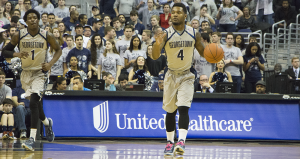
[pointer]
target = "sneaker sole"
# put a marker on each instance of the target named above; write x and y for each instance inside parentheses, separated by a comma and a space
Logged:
(27, 148)
(169, 154)
(23, 137)
(179, 150)
(5, 137)
(52, 130)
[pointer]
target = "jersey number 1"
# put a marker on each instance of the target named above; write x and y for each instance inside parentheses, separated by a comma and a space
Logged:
(32, 54)
(180, 54)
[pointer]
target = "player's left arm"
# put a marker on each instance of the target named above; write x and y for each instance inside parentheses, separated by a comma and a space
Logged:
(198, 44)
(54, 44)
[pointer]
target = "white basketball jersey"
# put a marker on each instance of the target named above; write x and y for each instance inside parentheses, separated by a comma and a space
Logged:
(36, 46)
(180, 48)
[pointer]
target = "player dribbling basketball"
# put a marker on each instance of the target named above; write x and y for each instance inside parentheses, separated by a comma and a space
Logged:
(33, 45)
(179, 42)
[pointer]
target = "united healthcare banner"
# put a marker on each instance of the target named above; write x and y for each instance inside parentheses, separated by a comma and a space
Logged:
(144, 118)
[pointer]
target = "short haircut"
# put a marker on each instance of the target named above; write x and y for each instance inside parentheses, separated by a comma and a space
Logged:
(166, 4)
(204, 21)
(78, 35)
(134, 13)
(182, 6)
(45, 13)
(128, 27)
(194, 20)
(17, 11)
(2, 72)
(79, 78)
(50, 14)
(11, 27)
(15, 19)
(71, 7)
(115, 19)
(8, 101)
(229, 33)
(208, 30)
(69, 36)
(155, 29)
(205, 36)
(123, 77)
(156, 17)
(76, 73)
(106, 15)
(294, 58)
(252, 38)
(148, 32)
(107, 29)
(27, 1)
(31, 11)
(217, 33)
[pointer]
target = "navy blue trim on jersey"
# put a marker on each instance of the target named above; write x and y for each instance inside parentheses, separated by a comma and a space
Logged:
(23, 36)
(177, 32)
(43, 36)
(191, 35)
(34, 35)
(167, 39)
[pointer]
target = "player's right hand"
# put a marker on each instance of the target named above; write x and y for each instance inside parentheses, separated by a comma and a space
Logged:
(160, 38)
(22, 55)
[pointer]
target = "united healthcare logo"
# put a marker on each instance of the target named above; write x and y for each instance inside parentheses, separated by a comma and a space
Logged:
(101, 117)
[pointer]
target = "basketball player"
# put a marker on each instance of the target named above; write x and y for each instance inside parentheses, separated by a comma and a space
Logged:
(179, 42)
(33, 43)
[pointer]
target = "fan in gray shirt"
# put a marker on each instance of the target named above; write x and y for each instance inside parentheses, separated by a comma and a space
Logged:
(5, 92)
(129, 56)
(111, 63)
(124, 7)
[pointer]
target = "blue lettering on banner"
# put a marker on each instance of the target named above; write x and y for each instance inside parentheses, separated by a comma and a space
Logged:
(145, 118)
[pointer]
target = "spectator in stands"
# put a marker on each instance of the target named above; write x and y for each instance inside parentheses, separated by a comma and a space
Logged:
(264, 11)
(3, 20)
(209, 31)
(3, 37)
(47, 28)
(157, 30)
(71, 8)
(22, 109)
(79, 31)
(7, 119)
(78, 85)
(117, 27)
(226, 16)
(159, 87)
(107, 7)
(87, 32)
(27, 6)
(155, 22)
(66, 50)
(246, 21)
(106, 21)
(164, 18)
(138, 27)
(21, 24)
(109, 82)
(44, 21)
(155, 66)
(83, 55)
(59, 39)
(61, 28)
(197, 5)
(203, 86)
(51, 21)
(123, 44)
(147, 13)
(83, 19)
(287, 13)
(95, 11)
(253, 64)
(123, 81)
(45, 7)
(13, 22)
(110, 60)
(146, 38)
(109, 34)
(60, 84)
(195, 24)
(8, 10)
(260, 87)
(170, 22)
(220, 75)
(137, 74)
(122, 20)
(74, 69)
(20, 7)
(239, 42)
(204, 24)
(12, 31)
(5, 91)
(251, 5)
(124, 7)
(134, 51)
(61, 11)
(17, 13)
(204, 16)
(72, 22)
(97, 49)
(200, 63)
(233, 59)
(293, 73)
(97, 23)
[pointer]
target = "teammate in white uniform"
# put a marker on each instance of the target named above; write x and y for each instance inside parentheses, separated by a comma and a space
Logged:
(179, 42)
(33, 44)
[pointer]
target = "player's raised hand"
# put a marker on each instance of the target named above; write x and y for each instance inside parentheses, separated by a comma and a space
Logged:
(46, 67)
(159, 39)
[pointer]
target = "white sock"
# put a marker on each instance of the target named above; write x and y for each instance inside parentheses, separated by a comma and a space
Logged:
(46, 122)
(170, 136)
(182, 134)
(33, 133)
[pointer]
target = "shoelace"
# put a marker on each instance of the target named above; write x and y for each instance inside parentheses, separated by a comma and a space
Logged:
(180, 143)
(169, 146)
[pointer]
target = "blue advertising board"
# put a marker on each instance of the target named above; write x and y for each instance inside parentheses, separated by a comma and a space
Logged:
(144, 118)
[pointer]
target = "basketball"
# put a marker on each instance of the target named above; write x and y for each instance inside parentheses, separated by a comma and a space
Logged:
(213, 53)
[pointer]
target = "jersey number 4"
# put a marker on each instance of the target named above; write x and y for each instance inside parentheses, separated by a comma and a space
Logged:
(180, 54)
(32, 54)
